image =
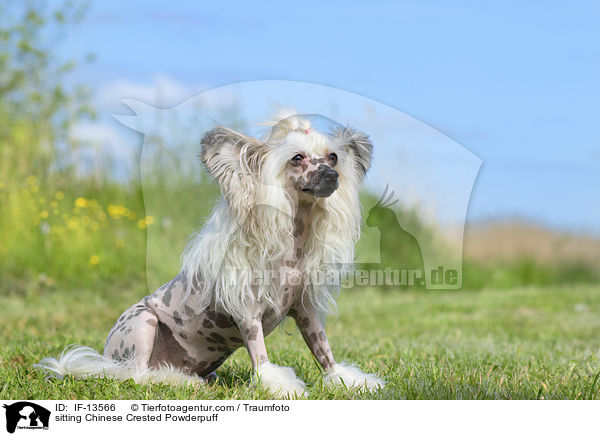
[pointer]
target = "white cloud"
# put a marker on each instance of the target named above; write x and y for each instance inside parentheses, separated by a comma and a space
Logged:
(106, 136)
(106, 147)
(162, 92)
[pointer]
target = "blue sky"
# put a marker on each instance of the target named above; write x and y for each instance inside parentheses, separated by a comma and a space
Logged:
(514, 82)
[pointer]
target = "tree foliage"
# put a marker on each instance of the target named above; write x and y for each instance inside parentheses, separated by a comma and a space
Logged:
(37, 103)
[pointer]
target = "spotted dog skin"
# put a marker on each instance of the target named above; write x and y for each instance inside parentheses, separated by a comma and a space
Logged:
(164, 328)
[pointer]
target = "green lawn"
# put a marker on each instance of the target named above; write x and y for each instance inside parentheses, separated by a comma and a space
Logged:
(493, 344)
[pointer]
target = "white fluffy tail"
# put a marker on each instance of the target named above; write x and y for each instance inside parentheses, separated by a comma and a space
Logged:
(84, 362)
(80, 362)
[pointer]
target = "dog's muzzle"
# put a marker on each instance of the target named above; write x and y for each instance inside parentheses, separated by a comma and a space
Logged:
(323, 182)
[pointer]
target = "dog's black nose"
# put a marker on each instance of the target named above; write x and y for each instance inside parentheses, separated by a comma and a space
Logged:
(327, 174)
(330, 175)
(327, 181)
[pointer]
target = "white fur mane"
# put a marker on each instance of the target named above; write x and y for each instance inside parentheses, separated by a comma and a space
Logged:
(251, 227)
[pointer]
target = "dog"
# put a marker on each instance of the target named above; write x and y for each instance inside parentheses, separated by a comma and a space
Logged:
(290, 208)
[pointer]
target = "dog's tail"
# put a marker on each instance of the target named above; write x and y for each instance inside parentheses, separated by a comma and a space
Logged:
(81, 362)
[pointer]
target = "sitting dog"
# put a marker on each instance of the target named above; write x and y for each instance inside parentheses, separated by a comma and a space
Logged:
(290, 210)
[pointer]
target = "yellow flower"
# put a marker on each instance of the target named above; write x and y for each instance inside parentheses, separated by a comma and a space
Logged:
(2, 185)
(120, 243)
(81, 202)
(34, 188)
(53, 204)
(41, 200)
(44, 214)
(32, 180)
(94, 260)
(116, 210)
(59, 195)
(148, 221)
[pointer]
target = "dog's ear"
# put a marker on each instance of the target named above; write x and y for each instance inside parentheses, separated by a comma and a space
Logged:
(225, 151)
(233, 159)
(359, 145)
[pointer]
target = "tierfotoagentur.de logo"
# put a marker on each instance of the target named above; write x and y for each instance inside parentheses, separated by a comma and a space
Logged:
(415, 197)
(25, 415)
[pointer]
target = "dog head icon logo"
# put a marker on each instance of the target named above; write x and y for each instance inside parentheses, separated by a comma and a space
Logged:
(24, 414)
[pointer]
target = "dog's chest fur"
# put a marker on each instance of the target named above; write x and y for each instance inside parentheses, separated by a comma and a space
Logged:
(200, 341)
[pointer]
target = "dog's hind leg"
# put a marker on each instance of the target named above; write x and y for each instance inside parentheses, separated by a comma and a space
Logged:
(131, 339)
(131, 343)
(126, 353)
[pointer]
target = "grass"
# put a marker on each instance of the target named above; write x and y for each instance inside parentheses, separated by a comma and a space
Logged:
(525, 343)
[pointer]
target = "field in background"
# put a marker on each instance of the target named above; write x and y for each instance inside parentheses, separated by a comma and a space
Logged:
(84, 234)
(510, 240)
(504, 254)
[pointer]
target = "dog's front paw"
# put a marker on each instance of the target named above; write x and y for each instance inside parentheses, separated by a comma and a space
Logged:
(351, 376)
(280, 381)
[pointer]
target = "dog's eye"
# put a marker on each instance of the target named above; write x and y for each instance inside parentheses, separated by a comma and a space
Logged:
(333, 158)
(297, 158)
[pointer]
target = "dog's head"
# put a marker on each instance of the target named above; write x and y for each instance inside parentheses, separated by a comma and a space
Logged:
(266, 182)
(304, 162)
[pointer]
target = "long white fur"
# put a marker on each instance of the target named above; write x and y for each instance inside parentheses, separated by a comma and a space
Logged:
(260, 237)
(279, 380)
(85, 362)
(350, 376)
